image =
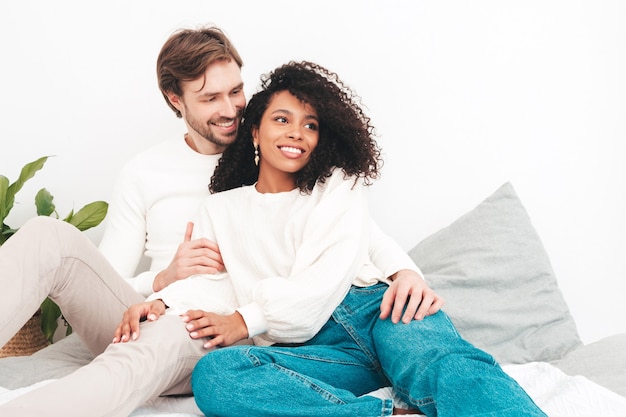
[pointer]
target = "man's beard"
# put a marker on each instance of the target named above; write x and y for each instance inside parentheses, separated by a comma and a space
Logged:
(205, 130)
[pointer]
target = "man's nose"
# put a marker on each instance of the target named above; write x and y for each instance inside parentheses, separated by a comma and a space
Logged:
(229, 108)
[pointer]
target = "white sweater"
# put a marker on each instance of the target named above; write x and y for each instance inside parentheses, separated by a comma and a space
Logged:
(156, 194)
(291, 258)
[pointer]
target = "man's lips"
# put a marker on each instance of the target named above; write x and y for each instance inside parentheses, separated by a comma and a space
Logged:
(226, 125)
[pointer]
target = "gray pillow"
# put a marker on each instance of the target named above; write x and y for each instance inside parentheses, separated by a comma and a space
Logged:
(602, 361)
(495, 276)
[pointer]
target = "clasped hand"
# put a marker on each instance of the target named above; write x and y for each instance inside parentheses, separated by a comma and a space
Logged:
(199, 256)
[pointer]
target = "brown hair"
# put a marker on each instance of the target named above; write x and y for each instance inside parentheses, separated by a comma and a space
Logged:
(187, 54)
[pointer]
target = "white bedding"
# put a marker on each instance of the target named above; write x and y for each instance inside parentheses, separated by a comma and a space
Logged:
(558, 394)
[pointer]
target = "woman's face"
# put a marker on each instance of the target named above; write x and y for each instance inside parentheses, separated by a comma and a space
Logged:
(287, 135)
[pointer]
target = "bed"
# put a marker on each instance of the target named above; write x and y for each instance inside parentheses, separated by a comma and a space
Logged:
(501, 293)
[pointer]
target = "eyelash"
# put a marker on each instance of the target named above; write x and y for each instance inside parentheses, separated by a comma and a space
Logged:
(282, 119)
(233, 93)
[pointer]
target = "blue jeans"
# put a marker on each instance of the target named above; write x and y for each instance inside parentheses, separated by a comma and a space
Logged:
(429, 365)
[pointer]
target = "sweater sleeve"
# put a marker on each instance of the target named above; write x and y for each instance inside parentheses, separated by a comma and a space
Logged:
(124, 236)
(387, 255)
(332, 251)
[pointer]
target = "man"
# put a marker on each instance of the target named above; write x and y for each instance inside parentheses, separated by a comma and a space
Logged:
(160, 190)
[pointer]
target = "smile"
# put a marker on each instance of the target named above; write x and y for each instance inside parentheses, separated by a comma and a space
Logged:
(224, 124)
(291, 149)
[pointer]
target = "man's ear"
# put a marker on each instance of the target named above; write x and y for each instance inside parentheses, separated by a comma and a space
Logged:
(174, 100)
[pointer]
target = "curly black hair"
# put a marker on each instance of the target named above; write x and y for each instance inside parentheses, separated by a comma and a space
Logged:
(346, 137)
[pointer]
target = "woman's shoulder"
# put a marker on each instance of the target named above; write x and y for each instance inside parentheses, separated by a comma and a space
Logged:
(339, 179)
(233, 194)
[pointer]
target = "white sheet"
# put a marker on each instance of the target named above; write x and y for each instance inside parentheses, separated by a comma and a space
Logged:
(558, 394)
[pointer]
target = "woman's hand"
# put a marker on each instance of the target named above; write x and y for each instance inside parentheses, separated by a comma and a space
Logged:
(221, 330)
(129, 327)
(200, 256)
(409, 289)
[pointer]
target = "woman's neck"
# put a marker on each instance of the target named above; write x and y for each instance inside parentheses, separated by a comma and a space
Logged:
(275, 182)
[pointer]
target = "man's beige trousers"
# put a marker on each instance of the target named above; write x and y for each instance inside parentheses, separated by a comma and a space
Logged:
(49, 257)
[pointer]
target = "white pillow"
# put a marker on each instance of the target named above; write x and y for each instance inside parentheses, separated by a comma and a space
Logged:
(495, 276)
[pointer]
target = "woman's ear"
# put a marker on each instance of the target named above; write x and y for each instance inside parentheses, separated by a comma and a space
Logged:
(255, 135)
(255, 143)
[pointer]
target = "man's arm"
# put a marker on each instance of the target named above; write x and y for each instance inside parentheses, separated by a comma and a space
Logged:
(124, 239)
(199, 256)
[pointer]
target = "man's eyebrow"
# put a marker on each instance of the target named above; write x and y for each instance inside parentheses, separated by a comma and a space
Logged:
(213, 93)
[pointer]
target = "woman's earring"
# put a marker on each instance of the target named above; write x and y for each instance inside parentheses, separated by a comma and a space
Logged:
(256, 154)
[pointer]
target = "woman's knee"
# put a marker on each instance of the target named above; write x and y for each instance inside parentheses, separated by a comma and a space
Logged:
(221, 364)
(215, 376)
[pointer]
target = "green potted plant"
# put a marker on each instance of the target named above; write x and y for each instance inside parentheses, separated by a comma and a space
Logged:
(87, 217)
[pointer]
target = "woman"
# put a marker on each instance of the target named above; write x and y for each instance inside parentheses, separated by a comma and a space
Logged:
(292, 241)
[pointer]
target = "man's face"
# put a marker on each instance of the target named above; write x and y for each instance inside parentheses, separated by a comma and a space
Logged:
(212, 106)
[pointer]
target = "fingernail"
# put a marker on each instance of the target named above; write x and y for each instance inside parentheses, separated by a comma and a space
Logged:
(189, 327)
(207, 345)
(135, 336)
(193, 334)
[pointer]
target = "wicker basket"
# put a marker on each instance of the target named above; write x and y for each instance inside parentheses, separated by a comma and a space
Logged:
(28, 340)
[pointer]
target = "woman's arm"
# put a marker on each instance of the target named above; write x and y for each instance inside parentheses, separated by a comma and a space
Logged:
(407, 286)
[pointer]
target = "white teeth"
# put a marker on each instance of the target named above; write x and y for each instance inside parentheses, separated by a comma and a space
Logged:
(225, 124)
(290, 149)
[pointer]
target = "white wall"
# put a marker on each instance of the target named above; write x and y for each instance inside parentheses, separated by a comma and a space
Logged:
(465, 95)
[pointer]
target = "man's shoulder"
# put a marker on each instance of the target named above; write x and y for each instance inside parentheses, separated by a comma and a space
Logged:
(163, 149)
(157, 156)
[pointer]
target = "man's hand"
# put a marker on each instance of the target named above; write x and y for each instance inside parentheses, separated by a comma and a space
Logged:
(200, 256)
(408, 285)
(222, 330)
(129, 326)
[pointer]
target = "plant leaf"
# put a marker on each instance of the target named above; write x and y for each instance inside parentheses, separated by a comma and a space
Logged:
(50, 313)
(43, 202)
(5, 233)
(28, 171)
(4, 188)
(89, 216)
(69, 217)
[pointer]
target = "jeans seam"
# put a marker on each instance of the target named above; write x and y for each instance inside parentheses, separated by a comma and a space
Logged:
(344, 310)
(416, 402)
(325, 394)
